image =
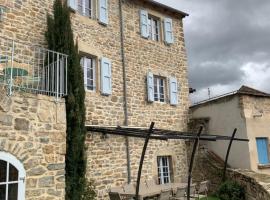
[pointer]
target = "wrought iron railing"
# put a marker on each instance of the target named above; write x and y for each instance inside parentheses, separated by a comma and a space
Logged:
(33, 69)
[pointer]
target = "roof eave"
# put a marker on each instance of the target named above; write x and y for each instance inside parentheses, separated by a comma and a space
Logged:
(184, 14)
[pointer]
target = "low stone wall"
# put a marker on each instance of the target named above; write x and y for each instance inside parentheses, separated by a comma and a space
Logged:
(33, 129)
(257, 186)
(209, 166)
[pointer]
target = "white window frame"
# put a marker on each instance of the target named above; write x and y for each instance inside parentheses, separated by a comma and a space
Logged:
(86, 67)
(157, 92)
(164, 170)
(85, 11)
(154, 28)
(10, 159)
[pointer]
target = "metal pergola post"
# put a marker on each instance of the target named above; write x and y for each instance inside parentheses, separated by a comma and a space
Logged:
(196, 142)
(227, 155)
(142, 159)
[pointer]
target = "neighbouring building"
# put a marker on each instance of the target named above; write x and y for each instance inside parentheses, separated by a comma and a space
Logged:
(248, 110)
(135, 71)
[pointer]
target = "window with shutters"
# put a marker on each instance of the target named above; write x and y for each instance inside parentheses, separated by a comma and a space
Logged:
(85, 7)
(89, 70)
(164, 165)
(159, 88)
(154, 28)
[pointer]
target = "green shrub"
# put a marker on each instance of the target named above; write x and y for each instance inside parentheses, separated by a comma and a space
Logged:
(231, 191)
(89, 191)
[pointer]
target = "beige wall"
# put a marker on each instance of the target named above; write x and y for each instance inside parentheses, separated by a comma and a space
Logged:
(257, 114)
(33, 129)
(225, 115)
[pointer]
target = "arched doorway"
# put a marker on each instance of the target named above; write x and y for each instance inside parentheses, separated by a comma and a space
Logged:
(12, 178)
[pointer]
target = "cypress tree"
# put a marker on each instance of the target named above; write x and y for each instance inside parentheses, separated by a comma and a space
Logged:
(59, 37)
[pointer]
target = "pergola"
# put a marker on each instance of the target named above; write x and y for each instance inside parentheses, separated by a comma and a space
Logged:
(152, 133)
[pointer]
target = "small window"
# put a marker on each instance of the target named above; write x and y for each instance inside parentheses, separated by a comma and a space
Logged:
(89, 71)
(159, 89)
(262, 148)
(164, 169)
(85, 7)
(154, 28)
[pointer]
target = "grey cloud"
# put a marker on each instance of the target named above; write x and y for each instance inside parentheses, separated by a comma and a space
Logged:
(223, 36)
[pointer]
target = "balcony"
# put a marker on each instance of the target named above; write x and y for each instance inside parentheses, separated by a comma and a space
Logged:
(32, 69)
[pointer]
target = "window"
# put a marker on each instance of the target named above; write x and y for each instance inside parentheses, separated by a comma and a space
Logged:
(89, 71)
(85, 7)
(12, 175)
(159, 91)
(154, 28)
(262, 148)
(164, 169)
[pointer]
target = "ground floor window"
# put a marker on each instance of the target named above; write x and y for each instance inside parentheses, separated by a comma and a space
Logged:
(262, 149)
(12, 178)
(164, 169)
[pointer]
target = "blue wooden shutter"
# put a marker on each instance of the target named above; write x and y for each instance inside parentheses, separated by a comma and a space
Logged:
(168, 31)
(106, 76)
(262, 148)
(144, 23)
(103, 12)
(72, 4)
(150, 86)
(173, 91)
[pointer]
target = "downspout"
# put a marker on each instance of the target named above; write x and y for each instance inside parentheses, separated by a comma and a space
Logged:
(124, 87)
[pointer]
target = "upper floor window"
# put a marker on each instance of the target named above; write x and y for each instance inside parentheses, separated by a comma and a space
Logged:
(154, 28)
(159, 91)
(151, 28)
(92, 8)
(89, 71)
(12, 178)
(85, 7)
(164, 169)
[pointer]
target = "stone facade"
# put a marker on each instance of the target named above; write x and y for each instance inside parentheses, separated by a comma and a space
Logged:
(33, 129)
(26, 21)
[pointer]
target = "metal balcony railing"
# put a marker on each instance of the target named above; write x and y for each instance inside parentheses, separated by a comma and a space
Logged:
(32, 69)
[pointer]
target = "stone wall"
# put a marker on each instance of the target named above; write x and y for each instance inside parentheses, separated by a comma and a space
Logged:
(33, 129)
(25, 20)
(256, 111)
(107, 165)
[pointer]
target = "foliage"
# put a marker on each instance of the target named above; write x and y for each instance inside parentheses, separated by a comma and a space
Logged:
(231, 191)
(59, 36)
(89, 192)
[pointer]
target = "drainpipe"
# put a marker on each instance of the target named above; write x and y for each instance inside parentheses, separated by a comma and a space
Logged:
(124, 87)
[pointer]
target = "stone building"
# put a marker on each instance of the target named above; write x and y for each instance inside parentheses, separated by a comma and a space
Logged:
(135, 69)
(247, 110)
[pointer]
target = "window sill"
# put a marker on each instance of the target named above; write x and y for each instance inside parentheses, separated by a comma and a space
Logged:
(264, 166)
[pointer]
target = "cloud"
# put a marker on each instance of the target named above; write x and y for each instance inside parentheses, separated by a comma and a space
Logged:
(228, 44)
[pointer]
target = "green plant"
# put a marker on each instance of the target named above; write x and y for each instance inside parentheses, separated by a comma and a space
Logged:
(89, 191)
(231, 191)
(59, 36)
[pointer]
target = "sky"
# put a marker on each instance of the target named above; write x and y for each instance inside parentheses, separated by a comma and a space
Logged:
(228, 44)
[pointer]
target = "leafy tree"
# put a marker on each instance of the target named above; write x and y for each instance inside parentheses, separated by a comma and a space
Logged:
(59, 36)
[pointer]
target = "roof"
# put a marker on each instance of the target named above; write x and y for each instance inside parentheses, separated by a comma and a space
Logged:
(251, 91)
(166, 7)
(243, 90)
